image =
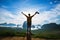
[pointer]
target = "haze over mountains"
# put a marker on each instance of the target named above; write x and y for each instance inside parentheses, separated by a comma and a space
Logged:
(24, 25)
(50, 26)
(7, 25)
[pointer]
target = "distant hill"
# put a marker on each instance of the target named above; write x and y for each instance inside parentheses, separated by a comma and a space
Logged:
(25, 25)
(51, 27)
(7, 25)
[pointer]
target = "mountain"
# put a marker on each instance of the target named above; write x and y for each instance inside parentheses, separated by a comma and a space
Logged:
(25, 25)
(33, 26)
(50, 27)
(7, 25)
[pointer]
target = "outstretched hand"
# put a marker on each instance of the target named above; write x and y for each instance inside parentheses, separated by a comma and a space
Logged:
(21, 12)
(36, 12)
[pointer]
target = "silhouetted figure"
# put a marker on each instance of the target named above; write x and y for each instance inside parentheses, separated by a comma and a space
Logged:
(29, 20)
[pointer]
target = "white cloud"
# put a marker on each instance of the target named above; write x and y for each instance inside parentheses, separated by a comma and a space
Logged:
(7, 16)
(47, 15)
(53, 13)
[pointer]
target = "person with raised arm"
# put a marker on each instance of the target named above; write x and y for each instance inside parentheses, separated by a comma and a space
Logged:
(29, 20)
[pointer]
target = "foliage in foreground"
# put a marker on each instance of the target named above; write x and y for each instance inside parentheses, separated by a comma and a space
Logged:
(22, 33)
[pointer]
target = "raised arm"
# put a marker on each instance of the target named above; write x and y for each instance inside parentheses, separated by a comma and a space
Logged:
(35, 13)
(24, 14)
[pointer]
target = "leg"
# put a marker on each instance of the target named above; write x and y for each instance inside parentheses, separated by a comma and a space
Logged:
(28, 32)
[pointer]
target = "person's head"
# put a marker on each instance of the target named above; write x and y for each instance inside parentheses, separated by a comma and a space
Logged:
(28, 14)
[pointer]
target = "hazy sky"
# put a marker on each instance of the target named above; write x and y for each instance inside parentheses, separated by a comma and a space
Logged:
(10, 11)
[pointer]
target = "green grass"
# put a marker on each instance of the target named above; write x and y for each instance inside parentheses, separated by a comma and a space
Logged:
(35, 34)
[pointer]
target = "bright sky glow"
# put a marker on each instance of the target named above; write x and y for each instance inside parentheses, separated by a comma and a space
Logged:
(10, 11)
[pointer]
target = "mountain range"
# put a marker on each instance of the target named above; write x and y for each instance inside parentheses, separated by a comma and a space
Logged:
(7, 25)
(50, 26)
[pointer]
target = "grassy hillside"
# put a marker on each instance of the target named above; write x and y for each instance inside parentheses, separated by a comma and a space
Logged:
(7, 31)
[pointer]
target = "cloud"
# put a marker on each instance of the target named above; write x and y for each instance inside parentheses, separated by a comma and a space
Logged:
(53, 15)
(48, 16)
(9, 17)
(43, 18)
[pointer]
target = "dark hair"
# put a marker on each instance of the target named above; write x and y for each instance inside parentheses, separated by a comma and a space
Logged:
(28, 14)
